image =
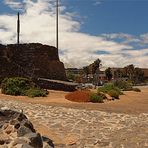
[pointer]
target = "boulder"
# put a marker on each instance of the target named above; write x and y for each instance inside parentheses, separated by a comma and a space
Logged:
(16, 131)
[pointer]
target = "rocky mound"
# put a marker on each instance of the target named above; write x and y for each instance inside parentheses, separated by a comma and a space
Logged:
(16, 131)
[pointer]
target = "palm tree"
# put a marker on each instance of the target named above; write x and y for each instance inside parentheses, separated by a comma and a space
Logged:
(95, 70)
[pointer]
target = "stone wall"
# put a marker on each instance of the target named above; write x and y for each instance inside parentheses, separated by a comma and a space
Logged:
(32, 60)
(56, 85)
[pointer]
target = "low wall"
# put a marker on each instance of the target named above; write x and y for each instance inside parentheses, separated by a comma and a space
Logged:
(56, 85)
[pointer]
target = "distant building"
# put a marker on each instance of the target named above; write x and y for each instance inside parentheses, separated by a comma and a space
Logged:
(145, 70)
(116, 73)
(75, 71)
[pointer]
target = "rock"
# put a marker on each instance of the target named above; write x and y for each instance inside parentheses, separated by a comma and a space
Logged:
(47, 142)
(46, 145)
(26, 146)
(16, 126)
(5, 126)
(4, 138)
(109, 97)
(35, 140)
(29, 125)
(16, 131)
(21, 140)
(9, 129)
(23, 131)
(18, 146)
(21, 117)
(23, 146)
(3, 146)
(5, 108)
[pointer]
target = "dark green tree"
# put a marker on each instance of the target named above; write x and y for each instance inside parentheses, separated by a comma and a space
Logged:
(96, 66)
(130, 71)
(108, 73)
(139, 75)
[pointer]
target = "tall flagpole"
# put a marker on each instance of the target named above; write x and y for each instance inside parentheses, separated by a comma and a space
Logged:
(57, 24)
(18, 29)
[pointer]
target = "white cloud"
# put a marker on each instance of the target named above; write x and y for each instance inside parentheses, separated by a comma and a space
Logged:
(78, 49)
(144, 38)
(14, 4)
(126, 38)
(96, 2)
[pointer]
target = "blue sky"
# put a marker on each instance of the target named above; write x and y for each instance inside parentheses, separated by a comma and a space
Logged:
(116, 31)
(110, 16)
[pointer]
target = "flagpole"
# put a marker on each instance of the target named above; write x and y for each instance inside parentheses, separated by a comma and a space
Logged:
(18, 29)
(57, 24)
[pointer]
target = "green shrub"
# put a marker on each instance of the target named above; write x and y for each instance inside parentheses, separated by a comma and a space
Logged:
(124, 85)
(36, 92)
(95, 98)
(21, 87)
(136, 89)
(114, 94)
(109, 86)
(102, 95)
(15, 86)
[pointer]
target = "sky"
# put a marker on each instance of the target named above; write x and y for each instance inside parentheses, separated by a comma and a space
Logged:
(115, 31)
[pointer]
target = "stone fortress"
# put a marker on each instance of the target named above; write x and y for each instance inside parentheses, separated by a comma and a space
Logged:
(32, 60)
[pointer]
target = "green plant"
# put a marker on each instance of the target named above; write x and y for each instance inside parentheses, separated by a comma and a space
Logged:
(15, 86)
(36, 92)
(109, 86)
(95, 98)
(21, 86)
(136, 89)
(114, 94)
(102, 95)
(124, 85)
(108, 73)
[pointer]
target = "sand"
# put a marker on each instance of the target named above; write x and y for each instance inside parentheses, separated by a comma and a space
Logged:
(130, 102)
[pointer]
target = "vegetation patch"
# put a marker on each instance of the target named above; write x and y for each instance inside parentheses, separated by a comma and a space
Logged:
(102, 95)
(36, 92)
(114, 94)
(123, 85)
(108, 87)
(95, 98)
(85, 96)
(18, 86)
